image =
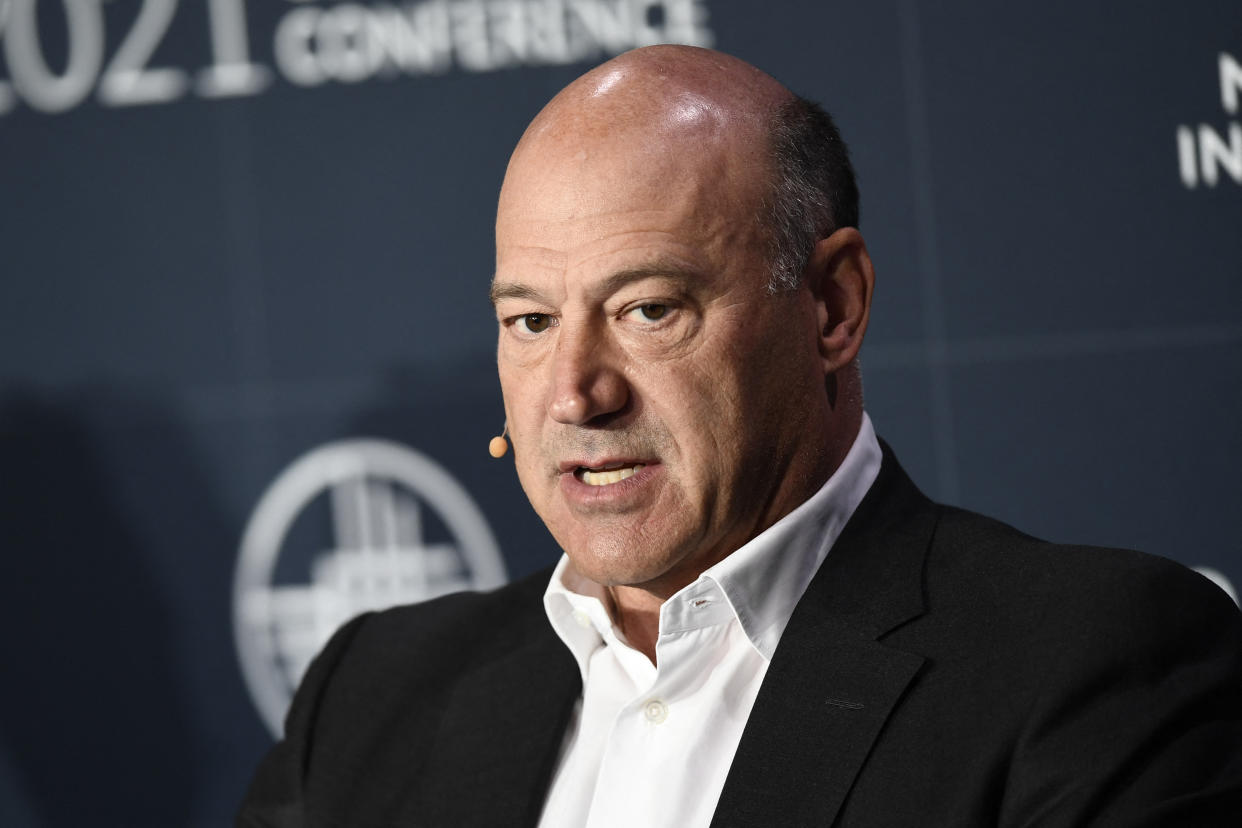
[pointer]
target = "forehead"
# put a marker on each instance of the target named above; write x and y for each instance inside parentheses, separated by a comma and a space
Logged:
(610, 203)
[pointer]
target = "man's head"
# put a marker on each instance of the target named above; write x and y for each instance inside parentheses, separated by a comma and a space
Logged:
(670, 392)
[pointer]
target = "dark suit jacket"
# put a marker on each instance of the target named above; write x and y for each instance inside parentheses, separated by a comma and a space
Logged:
(942, 670)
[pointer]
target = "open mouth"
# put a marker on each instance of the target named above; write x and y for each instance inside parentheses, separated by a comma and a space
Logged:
(607, 475)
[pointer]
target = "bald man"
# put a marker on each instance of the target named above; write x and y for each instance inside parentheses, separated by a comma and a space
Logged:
(757, 619)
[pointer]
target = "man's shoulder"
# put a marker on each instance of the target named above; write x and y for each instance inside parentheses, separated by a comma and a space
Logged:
(973, 566)
(975, 543)
(420, 648)
(454, 626)
(408, 694)
(1017, 579)
(518, 598)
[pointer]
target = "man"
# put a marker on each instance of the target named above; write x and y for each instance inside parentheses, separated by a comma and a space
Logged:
(758, 619)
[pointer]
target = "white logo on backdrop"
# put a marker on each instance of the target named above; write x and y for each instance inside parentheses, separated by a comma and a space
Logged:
(376, 491)
(114, 54)
(1203, 152)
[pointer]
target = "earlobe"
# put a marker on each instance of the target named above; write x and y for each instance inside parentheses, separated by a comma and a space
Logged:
(842, 280)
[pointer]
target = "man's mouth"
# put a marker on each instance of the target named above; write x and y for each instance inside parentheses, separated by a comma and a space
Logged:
(607, 475)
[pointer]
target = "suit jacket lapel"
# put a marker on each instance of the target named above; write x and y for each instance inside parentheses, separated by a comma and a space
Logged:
(832, 685)
(496, 754)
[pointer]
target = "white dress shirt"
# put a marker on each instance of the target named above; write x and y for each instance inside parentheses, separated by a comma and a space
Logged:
(650, 745)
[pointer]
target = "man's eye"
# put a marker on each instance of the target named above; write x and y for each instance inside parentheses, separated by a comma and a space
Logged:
(535, 322)
(651, 312)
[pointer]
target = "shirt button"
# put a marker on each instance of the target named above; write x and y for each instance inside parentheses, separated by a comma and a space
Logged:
(582, 618)
(655, 710)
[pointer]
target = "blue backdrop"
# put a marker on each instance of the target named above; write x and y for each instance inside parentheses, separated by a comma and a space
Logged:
(233, 233)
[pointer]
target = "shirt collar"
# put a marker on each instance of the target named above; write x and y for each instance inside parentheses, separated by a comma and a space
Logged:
(765, 578)
(761, 582)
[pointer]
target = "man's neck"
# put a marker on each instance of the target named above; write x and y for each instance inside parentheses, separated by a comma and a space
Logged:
(636, 612)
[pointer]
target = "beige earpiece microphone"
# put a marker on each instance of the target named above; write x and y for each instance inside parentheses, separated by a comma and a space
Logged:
(499, 445)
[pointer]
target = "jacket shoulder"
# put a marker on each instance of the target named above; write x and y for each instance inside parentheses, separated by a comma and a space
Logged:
(1096, 684)
(452, 629)
(378, 697)
(1020, 568)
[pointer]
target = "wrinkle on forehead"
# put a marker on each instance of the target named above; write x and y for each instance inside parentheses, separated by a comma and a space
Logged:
(638, 183)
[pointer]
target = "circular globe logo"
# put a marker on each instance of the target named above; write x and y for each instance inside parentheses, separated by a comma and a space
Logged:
(351, 526)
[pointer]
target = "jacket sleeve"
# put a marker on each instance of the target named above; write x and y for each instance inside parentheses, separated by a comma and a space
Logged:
(1139, 722)
(275, 798)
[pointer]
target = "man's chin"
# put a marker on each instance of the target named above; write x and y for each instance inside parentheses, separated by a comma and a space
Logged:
(607, 571)
(621, 567)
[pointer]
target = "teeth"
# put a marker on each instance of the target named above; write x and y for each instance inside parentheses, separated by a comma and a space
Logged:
(604, 478)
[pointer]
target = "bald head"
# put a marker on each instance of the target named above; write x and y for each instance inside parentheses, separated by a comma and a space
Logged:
(667, 91)
(665, 113)
(649, 118)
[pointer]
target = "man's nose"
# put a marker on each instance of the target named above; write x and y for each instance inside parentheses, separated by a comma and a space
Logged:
(587, 380)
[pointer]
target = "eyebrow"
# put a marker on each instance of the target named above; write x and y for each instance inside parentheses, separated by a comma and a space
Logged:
(513, 290)
(668, 269)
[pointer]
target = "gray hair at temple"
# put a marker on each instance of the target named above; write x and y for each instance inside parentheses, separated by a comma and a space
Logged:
(813, 189)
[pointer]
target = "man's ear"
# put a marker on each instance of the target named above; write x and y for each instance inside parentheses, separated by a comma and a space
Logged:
(841, 280)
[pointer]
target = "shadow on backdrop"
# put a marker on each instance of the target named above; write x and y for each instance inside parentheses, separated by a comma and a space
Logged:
(93, 718)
